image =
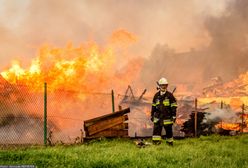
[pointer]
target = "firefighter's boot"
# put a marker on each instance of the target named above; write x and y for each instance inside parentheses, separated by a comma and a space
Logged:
(156, 139)
(170, 141)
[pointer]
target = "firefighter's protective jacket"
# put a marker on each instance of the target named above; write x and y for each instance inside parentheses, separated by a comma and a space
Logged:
(163, 107)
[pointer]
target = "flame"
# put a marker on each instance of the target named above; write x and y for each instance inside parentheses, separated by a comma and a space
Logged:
(244, 79)
(85, 68)
(234, 126)
(241, 81)
(245, 117)
(123, 38)
(228, 126)
(71, 73)
(236, 103)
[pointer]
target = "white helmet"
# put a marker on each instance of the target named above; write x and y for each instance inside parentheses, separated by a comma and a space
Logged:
(163, 81)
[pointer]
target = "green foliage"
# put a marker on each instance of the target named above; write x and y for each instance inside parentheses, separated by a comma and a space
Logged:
(209, 151)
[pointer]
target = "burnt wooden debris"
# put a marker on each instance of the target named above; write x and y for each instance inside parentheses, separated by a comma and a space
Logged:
(218, 88)
(130, 100)
(203, 128)
(110, 125)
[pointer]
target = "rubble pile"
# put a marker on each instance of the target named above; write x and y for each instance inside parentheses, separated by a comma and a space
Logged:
(237, 87)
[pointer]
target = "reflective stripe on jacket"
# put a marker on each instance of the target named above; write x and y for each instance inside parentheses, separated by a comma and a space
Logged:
(164, 106)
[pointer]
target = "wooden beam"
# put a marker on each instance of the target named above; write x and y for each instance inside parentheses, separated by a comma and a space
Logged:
(110, 133)
(106, 117)
(121, 126)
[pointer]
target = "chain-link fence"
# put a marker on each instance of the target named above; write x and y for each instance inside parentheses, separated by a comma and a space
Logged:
(66, 111)
(35, 117)
(21, 115)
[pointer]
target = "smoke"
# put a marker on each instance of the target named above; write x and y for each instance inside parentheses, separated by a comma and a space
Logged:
(228, 48)
(214, 29)
(20, 128)
(28, 24)
(225, 115)
(19, 120)
(224, 56)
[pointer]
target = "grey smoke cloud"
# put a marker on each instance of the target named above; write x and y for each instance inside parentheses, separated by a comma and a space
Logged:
(225, 115)
(224, 56)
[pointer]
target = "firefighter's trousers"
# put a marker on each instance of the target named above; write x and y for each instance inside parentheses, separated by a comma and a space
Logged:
(157, 131)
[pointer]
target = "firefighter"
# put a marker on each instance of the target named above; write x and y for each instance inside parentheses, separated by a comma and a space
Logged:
(163, 113)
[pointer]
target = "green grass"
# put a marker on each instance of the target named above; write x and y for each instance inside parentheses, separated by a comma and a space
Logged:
(204, 152)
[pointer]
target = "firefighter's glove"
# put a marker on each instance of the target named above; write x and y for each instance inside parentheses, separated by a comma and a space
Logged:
(174, 119)
(155, 120)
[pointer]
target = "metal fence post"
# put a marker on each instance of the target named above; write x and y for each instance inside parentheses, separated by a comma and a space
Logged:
(113, 101)
(242, 118)
(45, 113)
(221, 107)
(221, 104)
(195, 117)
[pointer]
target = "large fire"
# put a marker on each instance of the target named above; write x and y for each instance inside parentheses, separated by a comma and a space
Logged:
(79, 81)
(89, 67)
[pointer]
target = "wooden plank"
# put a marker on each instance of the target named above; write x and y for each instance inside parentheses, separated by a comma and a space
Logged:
(105, 117)
(121, 126)
(110, 133)
(105, 124)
